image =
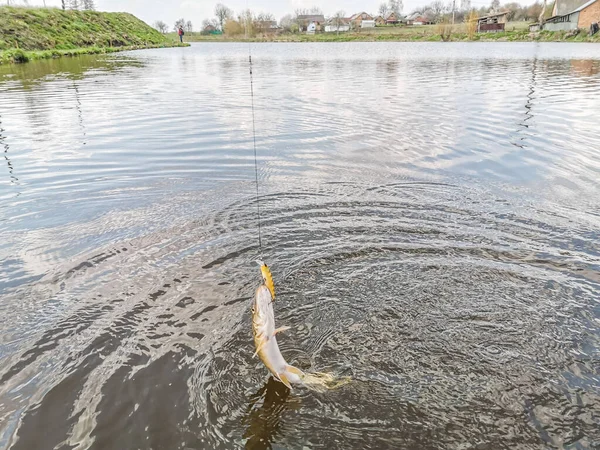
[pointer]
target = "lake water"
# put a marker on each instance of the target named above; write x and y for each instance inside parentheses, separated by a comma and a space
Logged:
(431, 213)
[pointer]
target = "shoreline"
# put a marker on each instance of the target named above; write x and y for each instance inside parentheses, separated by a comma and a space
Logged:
(415, 35)
(19, 56)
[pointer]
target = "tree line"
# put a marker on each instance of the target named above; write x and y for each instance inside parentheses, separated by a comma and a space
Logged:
(438, 10)
(248, 23)
(84, 5)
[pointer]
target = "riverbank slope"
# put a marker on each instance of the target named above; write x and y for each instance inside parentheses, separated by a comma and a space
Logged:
(34, 33)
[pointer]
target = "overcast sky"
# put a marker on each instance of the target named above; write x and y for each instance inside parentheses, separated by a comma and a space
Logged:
(198, 10)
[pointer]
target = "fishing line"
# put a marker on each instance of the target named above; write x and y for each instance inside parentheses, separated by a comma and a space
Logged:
(254, 142)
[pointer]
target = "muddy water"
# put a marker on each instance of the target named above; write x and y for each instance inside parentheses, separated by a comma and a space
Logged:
(430, 212)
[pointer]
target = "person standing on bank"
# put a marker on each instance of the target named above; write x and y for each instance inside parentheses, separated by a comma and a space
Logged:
(180, 32)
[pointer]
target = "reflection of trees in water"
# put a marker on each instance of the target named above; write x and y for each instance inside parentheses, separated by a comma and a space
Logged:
(36, 73)
(79, 111)
(5, 148)
(529, 101)
(263, 421)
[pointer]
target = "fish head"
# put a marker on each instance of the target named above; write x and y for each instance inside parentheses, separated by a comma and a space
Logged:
(268, 279)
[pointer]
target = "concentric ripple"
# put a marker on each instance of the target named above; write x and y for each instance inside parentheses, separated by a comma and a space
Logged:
(433, 236)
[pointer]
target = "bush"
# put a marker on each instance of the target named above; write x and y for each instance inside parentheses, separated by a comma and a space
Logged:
(444, 29)
(233, 28)
(472, 24)
(15, 56)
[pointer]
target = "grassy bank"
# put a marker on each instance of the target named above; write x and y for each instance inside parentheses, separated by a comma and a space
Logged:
(35, 33)
(515, 31)
(21, 56)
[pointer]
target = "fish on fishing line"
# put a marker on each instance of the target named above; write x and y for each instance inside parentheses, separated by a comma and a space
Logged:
(265, 341)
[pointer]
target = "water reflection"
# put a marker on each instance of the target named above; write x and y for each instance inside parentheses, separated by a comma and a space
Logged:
(266, 414)
(4, 145)
(529, 103)
(79, 112)
(585, 67)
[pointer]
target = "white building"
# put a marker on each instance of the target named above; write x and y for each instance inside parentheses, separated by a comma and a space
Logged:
(367, 24)
(336, 28)
(311, 28)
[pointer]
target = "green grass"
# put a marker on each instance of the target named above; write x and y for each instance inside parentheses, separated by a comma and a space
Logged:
(515, 31)
(29, 33)
(19, 56)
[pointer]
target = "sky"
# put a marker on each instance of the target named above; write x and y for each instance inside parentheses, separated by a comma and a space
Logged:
(198, 10)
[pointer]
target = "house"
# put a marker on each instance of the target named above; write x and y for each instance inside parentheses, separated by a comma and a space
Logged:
(305, 20)
(356, 19)
(389, 18)
(209, 29)
(573, 14)
(337, 24)
(418, 20)
(492, 23)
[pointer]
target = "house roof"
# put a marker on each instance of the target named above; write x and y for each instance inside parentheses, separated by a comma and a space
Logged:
(357, 15)
(312, 17)
(581, 8)
(389, 14)
(342, 20)
(585, 5)
(502, 13)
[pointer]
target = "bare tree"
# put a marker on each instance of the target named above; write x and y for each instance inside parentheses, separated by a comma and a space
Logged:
(438, 8)
(223, 13)
(383, 10)
(161, 26)
(189, 27)
(465, 5)
(315, 11)
(297, 13)
(179, 24)
(396, 7)
(495, 6)
(542, 14)
(264, 17)
(338, 20)
(246, 20)
(62, 2)
(89, 5)
(286, 22)
(74, 4)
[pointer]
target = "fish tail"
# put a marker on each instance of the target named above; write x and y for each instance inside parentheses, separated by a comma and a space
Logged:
(290, 375)
(318, 381)
(322, 382)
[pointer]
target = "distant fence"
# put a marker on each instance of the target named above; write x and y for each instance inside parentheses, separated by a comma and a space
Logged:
(491, 27)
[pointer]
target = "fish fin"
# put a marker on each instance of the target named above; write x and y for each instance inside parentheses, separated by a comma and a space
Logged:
(294, 370)
(280, 329)
(268, 279)
(284, 379)
(259, 348)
